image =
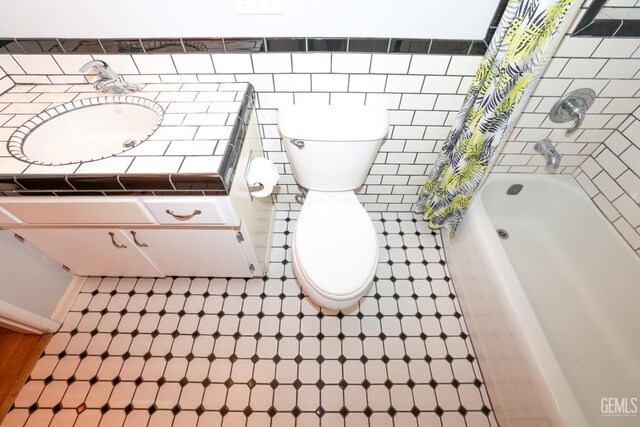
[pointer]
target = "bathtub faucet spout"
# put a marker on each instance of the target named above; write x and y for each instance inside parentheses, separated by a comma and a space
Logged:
(550, 153)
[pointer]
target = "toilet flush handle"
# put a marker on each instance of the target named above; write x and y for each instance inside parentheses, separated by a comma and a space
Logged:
(298, 143)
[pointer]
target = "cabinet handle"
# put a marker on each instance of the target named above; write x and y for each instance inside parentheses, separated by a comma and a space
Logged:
(183, 217)
(135, 240)
(116, 244)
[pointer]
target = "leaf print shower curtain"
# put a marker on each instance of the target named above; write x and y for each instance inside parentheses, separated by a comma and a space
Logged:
(513, 63)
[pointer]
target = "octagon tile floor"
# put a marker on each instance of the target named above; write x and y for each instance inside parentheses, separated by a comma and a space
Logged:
(216, 352)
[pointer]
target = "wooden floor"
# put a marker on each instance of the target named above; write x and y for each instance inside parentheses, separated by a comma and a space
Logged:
(18, 355)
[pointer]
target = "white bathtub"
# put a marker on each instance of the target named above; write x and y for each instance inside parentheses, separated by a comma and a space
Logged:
(554, 310)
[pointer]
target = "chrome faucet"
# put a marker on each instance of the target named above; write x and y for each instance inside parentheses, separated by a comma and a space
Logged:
(108, 80)
(550, 153)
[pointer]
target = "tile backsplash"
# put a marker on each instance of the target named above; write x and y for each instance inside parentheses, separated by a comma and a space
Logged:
(608, 66)
(423, 94)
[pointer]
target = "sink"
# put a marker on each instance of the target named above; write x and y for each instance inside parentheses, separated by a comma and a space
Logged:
(86, 130)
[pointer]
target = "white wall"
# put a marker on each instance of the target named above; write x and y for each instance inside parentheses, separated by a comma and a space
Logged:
(450, 19)
(29, 280)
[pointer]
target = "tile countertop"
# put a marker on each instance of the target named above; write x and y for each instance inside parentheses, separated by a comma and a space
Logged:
(193, 152)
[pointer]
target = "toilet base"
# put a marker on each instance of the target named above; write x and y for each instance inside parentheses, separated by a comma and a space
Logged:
(322, 300)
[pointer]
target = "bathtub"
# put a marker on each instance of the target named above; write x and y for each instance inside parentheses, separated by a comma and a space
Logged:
(553, 307)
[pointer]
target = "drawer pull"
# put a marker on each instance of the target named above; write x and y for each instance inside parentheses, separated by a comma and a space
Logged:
(135, 240)
(183, 217)
(116, 244)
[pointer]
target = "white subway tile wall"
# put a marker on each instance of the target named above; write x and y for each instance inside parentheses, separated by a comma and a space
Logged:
(5, 83)
(604, 155)
(610, 176)
(423, 94)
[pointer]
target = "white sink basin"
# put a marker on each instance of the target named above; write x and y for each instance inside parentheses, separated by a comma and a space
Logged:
(87, 130)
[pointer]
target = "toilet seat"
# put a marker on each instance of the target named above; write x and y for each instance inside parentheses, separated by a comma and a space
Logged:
(335, 246)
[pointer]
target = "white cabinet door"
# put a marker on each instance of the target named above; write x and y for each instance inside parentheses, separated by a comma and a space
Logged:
(91, 252)
(195, 252)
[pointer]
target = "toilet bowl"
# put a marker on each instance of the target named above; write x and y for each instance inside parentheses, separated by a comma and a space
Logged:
(331, 149)
(335, 249)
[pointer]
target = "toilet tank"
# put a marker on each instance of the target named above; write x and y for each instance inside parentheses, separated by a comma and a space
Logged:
(331, 148)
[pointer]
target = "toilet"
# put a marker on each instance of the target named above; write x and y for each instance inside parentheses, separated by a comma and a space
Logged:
(335, 246)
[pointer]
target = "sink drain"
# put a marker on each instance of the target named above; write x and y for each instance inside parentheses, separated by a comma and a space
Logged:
(503, 234)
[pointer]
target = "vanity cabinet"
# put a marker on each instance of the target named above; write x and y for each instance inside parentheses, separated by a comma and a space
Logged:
(194, 236)
(146, 252)
(226, 235)
(128, 236)
(90, 252)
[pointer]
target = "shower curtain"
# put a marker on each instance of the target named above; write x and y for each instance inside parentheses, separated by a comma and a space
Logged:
(516, 57)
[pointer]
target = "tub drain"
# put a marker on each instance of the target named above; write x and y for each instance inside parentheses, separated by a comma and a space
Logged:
(503, 234)
(514, 189)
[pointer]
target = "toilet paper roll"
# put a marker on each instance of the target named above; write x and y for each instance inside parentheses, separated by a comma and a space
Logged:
(262, 171)
(266, 190)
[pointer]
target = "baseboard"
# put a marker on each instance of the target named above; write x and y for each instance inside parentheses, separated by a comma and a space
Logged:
(24, 321)
(267, 257)
(21, 320)
(67, 300)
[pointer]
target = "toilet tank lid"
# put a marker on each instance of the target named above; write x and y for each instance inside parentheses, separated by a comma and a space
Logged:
(333, 123)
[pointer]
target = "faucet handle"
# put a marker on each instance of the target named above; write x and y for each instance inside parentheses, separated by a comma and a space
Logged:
(579, 118)
(131, 87)
(573, 106)
(117, 86)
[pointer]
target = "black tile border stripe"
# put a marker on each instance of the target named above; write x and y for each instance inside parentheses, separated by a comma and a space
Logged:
(589, 26)
(175, 184)
(253, 45)
(273, 44)
(236, 139)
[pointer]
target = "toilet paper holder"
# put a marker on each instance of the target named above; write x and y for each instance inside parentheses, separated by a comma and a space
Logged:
(258, 186)
(255, 186)
(252, 185)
